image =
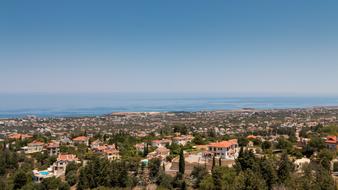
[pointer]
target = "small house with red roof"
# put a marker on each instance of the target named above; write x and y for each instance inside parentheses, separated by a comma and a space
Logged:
(331, 142)
(81, 140)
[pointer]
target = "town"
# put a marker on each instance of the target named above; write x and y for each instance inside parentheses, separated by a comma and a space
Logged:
(242, 149)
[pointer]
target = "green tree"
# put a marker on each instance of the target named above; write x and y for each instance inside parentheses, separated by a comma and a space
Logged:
(181, 163)
(164, 180)
(324, 179)
(145, 150)
(243, 141)
(83, 182)
(316, 143)
(198, 139)
(207, 183)
(71, 177)
(20, 180)
(335, 167)
(71, 166)
(51, 183)
(246, 160)
(284, 144)
(249, 180)
(217, 178)
(154, 168)
(266, 145)
(284, 169)
(198, 173)
(64, 186)
(213, 162)
(325, 156)
(268, 173)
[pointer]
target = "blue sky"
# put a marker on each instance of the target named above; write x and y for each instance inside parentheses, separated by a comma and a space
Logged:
(186, 46)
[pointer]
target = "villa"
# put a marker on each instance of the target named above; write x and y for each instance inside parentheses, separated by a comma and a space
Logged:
(95, 144)
(33, 147)
(159, 143)
(81, 140)
(59, 167)
(110, 151)
(53, 148)
(183, 139)
(224, 149)
(331, 142)
(38, 176)
(160, 152)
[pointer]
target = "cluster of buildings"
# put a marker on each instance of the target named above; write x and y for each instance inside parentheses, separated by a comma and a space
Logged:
(144, 124)
(52, 148)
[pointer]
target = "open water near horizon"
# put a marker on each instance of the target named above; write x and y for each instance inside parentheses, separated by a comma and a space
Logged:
(70, 105)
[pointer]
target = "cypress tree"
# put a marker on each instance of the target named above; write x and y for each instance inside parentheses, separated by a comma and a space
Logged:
(181, 163)
(217, 178)
(145, 150)
(284, 169)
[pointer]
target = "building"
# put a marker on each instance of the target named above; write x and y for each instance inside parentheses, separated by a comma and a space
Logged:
(140, 147)
(110, 151)
(65, 140)
(300, 163)
(59, 167)
(331, 142)
(38, 176)
(112, 154)
(33, 147)
(159, 143)
(53, 148)
(224, 149)
(95, 144)
(81, 140)
(251, 137)
(183, 139)
(160, 152)
(19, 136)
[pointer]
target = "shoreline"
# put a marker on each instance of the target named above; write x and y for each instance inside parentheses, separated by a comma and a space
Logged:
(70, 114)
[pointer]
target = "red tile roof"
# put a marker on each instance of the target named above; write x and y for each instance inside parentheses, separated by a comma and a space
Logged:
(36, 142)
(331, 140)
(53, 145)
(67, 157)
(81, 138)
(111, 151)
(18, 136)
(223, 144)
(251, 137)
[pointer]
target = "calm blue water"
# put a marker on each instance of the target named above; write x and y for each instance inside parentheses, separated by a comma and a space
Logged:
(55, 105)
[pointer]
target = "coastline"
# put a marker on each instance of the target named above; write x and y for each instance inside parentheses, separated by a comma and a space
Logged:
(117, 113)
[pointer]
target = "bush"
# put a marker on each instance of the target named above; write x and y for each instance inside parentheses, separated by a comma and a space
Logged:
(71, 177)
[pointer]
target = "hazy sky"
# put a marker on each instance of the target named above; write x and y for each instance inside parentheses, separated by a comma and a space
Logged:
(265, 46)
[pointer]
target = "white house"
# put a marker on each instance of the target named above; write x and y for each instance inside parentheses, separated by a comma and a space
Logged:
(224, 149)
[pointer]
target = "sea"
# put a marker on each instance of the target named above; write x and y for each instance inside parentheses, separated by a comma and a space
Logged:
(91, 104)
